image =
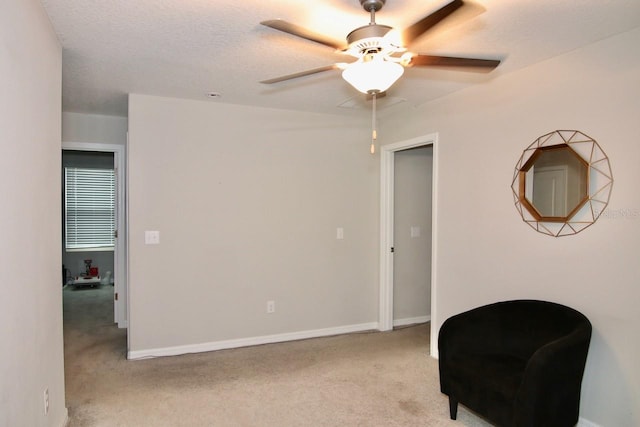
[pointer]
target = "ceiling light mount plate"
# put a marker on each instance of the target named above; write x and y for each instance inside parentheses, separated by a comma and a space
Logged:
(376, 5)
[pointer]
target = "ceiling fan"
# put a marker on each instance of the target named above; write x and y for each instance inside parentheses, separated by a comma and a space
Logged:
(380, 50)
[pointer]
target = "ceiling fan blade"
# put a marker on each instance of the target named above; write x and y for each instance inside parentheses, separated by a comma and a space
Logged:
(302, 74)
(451, 61)
(296, 30)
(422, 26)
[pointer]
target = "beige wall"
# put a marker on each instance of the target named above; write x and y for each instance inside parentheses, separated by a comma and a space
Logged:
(94, 128)
(247, 202)
(487, 253)
(31, 358)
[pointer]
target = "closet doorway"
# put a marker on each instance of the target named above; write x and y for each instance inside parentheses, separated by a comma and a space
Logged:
(414, 237)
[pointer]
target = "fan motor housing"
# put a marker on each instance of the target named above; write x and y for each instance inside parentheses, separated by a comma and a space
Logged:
(367, 32)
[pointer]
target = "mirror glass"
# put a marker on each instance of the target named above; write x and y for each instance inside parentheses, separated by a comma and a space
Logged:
(555, 182)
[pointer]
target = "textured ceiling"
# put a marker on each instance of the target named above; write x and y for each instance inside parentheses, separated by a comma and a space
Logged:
(186, 48)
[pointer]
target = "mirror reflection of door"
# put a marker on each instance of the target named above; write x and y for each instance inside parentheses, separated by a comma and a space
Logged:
(550, 190)
(555, 182)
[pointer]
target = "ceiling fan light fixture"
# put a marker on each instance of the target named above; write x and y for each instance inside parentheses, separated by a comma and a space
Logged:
(372, 74)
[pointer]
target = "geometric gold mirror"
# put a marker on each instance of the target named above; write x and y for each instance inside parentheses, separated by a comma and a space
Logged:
(562, 183)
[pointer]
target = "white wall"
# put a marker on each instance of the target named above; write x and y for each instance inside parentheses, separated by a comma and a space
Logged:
(94, 128)
(487, 253)
(31, 358)
(412, 252)
(247, 202)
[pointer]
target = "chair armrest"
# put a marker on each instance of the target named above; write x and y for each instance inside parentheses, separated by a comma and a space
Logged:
(552, 381)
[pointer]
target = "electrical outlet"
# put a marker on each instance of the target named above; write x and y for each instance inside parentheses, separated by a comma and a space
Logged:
(46, 401)
(271, 306)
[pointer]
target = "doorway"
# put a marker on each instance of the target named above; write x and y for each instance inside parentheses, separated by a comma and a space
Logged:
(412, 235)
(120, 311)
(387, 232)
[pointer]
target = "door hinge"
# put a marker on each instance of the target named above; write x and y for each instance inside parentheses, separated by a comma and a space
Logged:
(115, 234)
(392, 249)
(115, 295)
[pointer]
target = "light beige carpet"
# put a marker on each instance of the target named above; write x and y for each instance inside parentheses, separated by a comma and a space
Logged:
(367, 379)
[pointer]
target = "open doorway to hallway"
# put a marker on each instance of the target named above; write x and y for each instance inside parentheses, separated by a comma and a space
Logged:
(115, 158)
(387, 231)
(412, 235)
(89, 255)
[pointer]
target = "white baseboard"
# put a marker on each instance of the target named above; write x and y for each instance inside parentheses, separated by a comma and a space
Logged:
(583, 422)
(246, 342)
(411, 320)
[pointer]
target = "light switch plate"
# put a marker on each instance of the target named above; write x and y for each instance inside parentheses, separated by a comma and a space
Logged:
(340, 233)
(415, 231)
(151, 237)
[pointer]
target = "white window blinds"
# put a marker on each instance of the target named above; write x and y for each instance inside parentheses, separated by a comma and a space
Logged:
(89, 208)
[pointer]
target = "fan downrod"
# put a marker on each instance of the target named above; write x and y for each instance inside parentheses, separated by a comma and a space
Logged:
(370, 5)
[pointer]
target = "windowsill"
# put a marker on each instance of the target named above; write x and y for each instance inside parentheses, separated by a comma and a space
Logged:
(104, 249)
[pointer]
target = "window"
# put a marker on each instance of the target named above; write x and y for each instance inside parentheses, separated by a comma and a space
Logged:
(89, 208)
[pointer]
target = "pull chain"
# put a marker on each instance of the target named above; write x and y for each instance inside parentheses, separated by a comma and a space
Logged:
(374, 132)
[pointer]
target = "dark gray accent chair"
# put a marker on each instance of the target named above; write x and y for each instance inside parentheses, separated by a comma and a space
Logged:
(517, 363)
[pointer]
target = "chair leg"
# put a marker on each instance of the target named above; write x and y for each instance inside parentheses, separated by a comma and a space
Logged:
(453, 408)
